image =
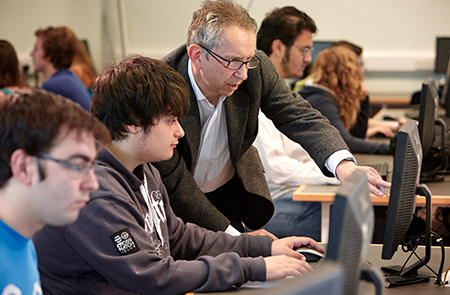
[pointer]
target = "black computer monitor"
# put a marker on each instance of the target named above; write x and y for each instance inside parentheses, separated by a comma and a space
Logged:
(442, 56)
(429, 104)
(328, 279)
(351, 230)
(445, 97)
(402, 203)
(319, 46)
(432, 130)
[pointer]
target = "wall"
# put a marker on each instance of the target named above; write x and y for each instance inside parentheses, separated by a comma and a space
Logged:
(398, 36)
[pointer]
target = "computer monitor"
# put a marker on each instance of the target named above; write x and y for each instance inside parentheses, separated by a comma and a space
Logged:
(351, 229)
(319, 46)
(327, 279)
(431, 127)
(429, 104)
(442, 56)
(445, 97)
(402, 203)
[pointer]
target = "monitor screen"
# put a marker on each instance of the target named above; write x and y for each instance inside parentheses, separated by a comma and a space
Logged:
(442, 54)
(445, 98)
(429, 104)
(319, 46)
(405, 178)
(351, 229)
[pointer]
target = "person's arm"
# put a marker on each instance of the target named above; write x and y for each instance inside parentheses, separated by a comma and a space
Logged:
(150, 269)
(294, 116)
(357, 145)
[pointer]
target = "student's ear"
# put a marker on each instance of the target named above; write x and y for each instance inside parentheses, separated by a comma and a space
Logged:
(195, 52)
(23, 166)
(278, 48)
(133, 129)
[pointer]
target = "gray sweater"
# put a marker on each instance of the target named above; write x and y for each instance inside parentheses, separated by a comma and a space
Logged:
(127, 243)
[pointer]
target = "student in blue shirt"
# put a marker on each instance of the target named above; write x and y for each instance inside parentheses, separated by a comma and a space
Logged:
(48, 146)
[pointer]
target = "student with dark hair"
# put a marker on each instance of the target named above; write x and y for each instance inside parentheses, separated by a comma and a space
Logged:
(48, 147)
(127, 239)
(285, 36)
(11, 77)
(52, 56)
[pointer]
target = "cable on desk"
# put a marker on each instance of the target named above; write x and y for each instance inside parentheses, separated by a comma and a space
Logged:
(413, 246)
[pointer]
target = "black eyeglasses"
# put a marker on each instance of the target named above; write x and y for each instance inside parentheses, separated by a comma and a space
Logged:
(82, 168)
(234, 64)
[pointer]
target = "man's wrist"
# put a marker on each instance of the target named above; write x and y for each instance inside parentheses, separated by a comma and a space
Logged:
(336, 158)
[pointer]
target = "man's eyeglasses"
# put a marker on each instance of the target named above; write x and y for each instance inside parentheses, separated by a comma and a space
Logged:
(234, 64)
(305, 50)
(82, 168)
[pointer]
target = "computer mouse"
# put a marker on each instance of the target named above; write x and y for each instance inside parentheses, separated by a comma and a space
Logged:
(312, 255)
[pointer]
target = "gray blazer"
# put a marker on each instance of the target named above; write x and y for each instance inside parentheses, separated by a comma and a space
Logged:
(291, 114)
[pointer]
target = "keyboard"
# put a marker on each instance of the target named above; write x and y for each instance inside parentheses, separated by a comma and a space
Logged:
(382, 169)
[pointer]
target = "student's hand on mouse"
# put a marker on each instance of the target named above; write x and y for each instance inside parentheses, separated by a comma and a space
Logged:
(376, 182)
(286, 246)
(262, 232)
(281, 266)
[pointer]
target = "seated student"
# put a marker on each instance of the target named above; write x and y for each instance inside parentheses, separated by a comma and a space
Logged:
(127, 239)
(366, 127)
(11, 77)
(285, 35)
(52, 56)
(48, 146)
(337, 93)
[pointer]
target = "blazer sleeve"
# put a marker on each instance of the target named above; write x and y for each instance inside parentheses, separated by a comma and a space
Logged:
(295, 118)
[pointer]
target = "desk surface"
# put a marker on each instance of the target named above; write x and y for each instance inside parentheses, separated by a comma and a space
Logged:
(374, 257)
(325, 193)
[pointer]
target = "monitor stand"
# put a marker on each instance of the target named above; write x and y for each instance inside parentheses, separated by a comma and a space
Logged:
(395, 275)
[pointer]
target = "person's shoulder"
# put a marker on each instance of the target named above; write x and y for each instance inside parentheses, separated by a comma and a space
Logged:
(315, 92)
(173, 58)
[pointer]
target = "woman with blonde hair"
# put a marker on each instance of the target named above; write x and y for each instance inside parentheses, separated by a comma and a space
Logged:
(337, 93)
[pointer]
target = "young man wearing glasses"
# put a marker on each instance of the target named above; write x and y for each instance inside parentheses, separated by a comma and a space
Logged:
(48, 146)
(127, 239)
(215, 178)
(285, 36)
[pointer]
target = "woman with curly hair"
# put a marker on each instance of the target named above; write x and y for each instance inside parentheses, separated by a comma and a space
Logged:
(337, 93)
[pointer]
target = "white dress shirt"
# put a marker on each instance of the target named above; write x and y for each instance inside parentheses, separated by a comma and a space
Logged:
(214, 167)
(287, 165)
